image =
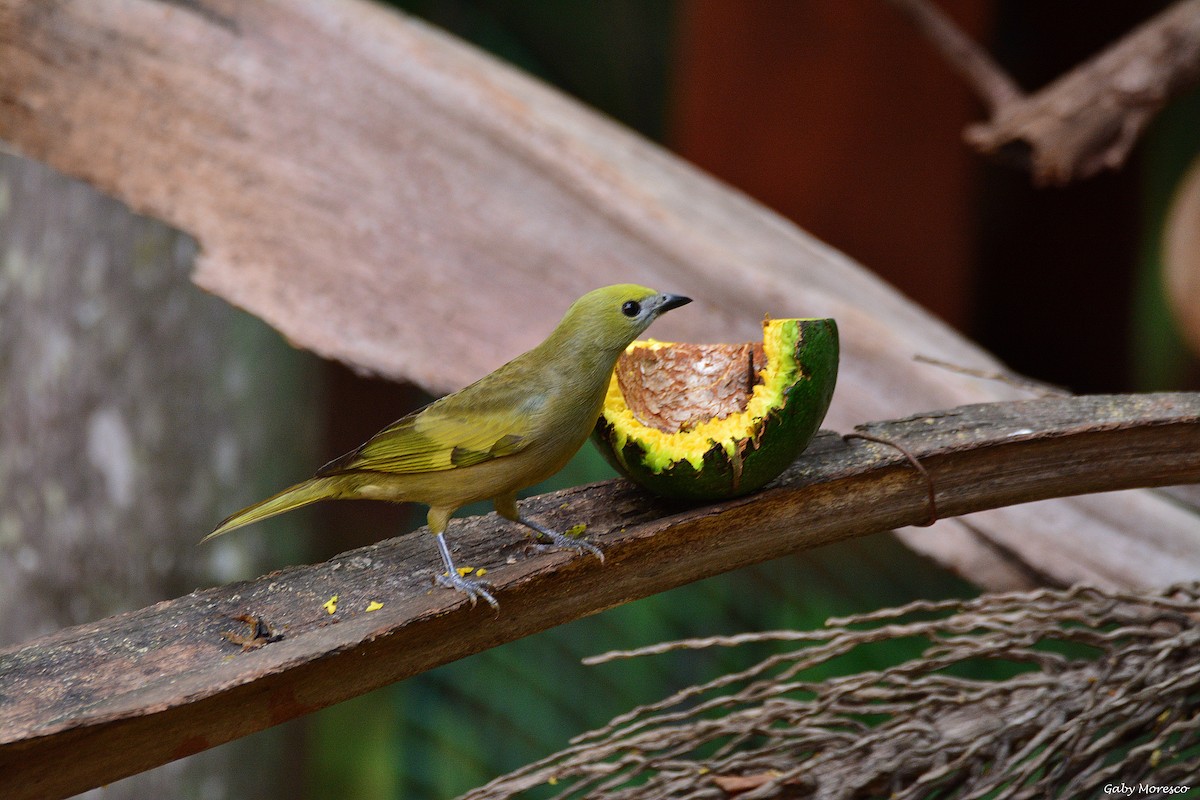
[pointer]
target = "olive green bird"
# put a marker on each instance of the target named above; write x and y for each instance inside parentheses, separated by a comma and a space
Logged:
(508, 430)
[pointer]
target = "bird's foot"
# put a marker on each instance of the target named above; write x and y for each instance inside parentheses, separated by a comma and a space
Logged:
(565, 541)
(453, 578)
(471, 588)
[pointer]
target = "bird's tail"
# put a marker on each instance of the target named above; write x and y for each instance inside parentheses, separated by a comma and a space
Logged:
(302, 494)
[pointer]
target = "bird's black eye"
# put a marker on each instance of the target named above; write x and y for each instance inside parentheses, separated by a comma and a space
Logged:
(631, 308)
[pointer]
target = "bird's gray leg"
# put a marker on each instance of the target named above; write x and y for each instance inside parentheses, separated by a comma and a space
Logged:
(506, 507)
(452, 580)
(438, 520)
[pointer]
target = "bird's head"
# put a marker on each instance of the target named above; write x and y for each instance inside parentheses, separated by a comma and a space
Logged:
(613, 316)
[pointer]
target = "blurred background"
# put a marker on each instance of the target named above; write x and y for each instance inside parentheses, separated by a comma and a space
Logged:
(842, 118)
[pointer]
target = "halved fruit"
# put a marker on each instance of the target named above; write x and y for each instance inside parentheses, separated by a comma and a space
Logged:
(711, 421)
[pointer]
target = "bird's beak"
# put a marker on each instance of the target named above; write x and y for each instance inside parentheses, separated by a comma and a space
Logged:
(669, 301)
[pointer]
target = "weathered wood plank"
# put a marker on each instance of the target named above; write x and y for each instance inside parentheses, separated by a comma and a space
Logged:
(390, 197)
(88, 705)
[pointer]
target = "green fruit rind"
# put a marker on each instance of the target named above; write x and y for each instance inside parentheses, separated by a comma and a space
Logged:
(742, 453)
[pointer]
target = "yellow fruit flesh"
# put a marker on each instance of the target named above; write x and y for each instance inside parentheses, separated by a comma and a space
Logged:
(664, 449)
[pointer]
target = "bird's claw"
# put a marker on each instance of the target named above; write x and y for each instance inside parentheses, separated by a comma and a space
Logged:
(453, 578)
(472, 589)
(566, 542)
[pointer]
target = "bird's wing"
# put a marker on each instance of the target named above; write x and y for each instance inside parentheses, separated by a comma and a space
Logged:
(442, 436)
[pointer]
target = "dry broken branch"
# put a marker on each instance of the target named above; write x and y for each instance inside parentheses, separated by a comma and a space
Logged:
(91, 704)
(1107, 689)
(1089, 119)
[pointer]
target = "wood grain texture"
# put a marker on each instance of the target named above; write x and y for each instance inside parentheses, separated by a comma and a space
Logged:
(387, 196)
(87, 705)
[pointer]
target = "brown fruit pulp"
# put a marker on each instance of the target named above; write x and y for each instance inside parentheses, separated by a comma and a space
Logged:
(675, 387)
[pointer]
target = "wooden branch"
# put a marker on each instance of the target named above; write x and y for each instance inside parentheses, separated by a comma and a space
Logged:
(1089, 119)
(91, 704)
(389, 197)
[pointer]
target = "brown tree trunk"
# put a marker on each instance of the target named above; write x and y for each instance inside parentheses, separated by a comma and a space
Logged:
(125, 432)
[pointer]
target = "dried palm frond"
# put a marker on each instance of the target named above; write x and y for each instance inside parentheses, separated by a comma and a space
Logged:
(1104, 688)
